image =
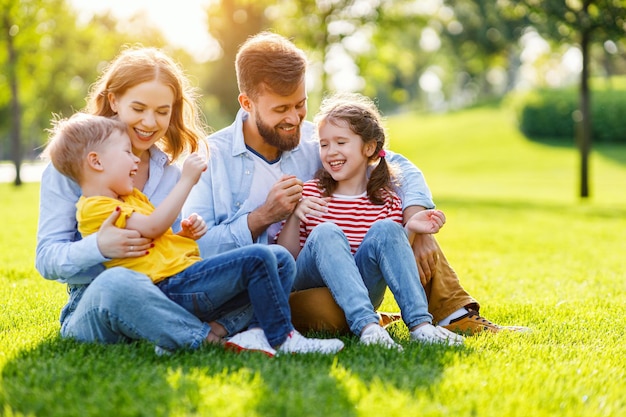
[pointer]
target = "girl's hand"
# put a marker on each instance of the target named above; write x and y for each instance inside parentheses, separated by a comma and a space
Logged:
(426, 221)
(311, 207)
(193, 167)
(193, 227)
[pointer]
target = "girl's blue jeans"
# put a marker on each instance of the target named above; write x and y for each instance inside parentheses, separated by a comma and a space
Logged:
(358, 282)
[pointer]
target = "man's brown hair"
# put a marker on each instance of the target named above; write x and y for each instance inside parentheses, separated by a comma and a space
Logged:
(268, 60)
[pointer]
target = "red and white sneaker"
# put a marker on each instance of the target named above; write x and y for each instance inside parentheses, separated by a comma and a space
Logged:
(253, 340)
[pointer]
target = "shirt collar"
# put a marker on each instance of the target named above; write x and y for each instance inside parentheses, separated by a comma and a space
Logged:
(239, 145)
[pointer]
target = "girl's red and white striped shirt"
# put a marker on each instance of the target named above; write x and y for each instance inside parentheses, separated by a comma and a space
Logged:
(353, 214)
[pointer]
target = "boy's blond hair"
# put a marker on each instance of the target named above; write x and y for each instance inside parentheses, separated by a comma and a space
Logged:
(72, 139)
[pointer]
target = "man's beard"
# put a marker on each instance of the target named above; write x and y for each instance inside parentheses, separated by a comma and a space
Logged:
(274, 137)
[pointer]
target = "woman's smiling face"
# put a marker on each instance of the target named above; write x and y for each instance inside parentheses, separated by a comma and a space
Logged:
(146, 109)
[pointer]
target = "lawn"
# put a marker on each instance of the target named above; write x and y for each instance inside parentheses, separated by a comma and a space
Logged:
(521, 240)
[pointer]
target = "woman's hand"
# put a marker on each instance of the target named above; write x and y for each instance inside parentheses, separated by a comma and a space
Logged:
(114, 242)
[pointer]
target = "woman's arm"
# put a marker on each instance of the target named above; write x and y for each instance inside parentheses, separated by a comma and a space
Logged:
(61, 254)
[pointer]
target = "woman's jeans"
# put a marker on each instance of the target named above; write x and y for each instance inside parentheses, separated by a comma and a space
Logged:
(358, 282)
(243, 287)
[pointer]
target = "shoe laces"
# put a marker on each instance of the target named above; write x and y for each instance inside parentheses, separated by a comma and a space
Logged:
(477, 317)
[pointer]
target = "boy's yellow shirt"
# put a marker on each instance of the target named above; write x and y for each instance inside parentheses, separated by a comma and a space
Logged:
(171, 253)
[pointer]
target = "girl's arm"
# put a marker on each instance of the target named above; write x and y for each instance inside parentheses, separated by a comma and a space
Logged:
(164, 215)
(289, 236)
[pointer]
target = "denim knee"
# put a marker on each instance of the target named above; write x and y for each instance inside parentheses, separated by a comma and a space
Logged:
(387, 227)
(119, 284)
(326, 231)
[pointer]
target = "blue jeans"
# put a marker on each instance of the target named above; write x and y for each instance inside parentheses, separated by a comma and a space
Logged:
(260, 275)
(358, 282)
(121, 305)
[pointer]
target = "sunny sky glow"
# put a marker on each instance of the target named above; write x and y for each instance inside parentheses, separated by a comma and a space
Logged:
(182, 22)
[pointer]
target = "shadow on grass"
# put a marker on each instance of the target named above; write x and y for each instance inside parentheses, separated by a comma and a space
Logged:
(65, 378)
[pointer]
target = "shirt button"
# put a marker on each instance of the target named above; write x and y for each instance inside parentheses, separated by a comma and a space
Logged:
(247, 172)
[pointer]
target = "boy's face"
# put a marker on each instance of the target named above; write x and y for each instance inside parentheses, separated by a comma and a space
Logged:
(146, 109)
(278, 118)
(119, 165)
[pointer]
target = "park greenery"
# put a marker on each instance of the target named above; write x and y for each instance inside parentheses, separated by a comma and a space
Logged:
(531, 252)
(427, 54)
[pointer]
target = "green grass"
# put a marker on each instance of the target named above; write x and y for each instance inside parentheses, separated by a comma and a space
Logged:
(517, 234)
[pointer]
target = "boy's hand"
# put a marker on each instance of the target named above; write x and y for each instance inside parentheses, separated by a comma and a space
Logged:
(193, 167)
(193, 227)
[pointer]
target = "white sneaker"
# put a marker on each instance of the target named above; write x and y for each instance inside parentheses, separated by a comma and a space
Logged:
(436, 334)
(159, 351)
(253, 340)
(296, 343)
(376, 335)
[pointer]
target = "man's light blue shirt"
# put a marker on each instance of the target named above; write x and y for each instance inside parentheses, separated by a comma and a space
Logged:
(61, 253)
(221, 195)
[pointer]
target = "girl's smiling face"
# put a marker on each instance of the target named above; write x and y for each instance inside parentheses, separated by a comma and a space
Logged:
(343, 153)
(146, 109)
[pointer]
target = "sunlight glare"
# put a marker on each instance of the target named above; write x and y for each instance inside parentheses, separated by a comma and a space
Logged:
(183, 24)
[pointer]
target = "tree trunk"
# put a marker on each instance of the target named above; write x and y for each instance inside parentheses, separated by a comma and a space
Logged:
(584, 136)
(16, 145)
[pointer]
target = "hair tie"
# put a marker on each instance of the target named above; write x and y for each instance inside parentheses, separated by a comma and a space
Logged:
(382, 153)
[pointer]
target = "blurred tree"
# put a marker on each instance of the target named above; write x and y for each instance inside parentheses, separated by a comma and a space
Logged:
(50, 61)
(395, 60)
(350, 41)
(231, 22)
(21, 34)
(484, 43)
(577, 22)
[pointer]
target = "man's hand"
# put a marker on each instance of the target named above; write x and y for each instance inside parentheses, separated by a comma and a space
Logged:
(114, 242)
(426, 252)
(280, 203)
(283, 198)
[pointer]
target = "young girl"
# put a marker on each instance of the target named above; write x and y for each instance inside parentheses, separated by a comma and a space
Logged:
(147, 91)
(346, 233)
